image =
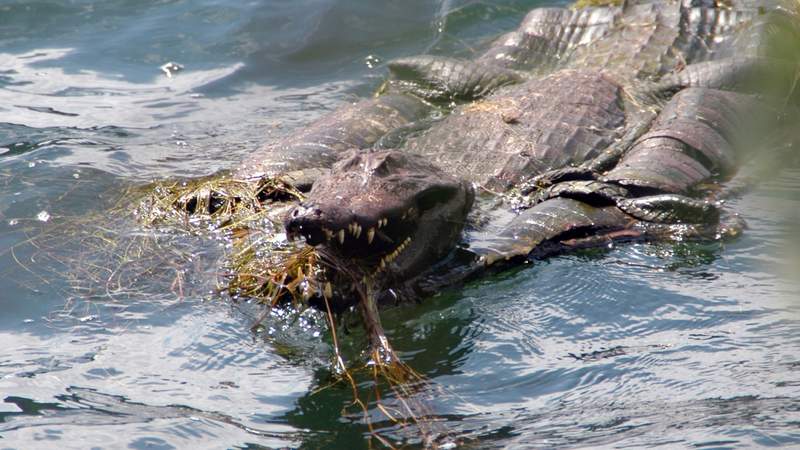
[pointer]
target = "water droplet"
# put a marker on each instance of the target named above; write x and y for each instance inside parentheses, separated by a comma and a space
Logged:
(170, 68)
(371, 61)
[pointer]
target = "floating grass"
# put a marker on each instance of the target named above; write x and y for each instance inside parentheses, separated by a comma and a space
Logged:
(219, 201)
(261, 265)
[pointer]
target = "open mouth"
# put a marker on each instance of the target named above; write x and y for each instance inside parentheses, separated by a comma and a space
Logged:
(367, 242)
(381, 212)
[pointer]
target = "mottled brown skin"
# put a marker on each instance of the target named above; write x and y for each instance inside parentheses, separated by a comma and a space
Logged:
(575, 95)
(322, 143)
(477, 141)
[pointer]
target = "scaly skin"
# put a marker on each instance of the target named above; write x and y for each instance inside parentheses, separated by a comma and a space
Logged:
(594, 79)
(551, 121)
(441, 78)
(524, 130)
(548, 36)
(690, 141)
(322, 143)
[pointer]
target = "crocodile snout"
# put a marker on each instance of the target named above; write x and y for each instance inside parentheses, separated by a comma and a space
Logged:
(306, 221)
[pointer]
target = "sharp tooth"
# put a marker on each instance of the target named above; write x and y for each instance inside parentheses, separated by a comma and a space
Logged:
(341, 236)
(370, 235)
(380, 223)
(385, 221)
(351, 228)
(328, 233)
(358, 231)
(328, 292)
(383, 263)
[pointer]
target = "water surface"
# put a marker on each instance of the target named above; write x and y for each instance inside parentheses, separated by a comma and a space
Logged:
(677, 345)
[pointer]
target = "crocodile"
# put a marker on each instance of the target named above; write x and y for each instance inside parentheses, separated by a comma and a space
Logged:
(580, 127)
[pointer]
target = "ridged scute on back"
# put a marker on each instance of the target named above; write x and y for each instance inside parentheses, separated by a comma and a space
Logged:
(320, 144)
(548, 36)
(523, 130)
(645, 40)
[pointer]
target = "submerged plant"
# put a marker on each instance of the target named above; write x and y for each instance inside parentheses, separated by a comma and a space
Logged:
(261, 265)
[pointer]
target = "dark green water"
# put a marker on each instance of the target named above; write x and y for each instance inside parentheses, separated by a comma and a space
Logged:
(672, 345)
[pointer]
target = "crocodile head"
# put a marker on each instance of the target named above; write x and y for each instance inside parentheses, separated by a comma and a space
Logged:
(386, 215)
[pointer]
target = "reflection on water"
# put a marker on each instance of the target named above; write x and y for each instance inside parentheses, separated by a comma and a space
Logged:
(690, 344)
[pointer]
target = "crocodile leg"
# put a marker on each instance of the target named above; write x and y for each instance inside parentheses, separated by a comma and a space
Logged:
(703, 118)
(544, 41)
(690, 141)
(561, 223)
(538, 231)
(441, 78)
(647, 194)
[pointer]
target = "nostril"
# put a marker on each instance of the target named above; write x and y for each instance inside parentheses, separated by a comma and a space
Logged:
(303, 221)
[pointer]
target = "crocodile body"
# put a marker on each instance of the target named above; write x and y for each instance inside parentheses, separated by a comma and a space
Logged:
(607, 118)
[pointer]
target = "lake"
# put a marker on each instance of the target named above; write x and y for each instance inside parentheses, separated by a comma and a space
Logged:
(686, 344)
